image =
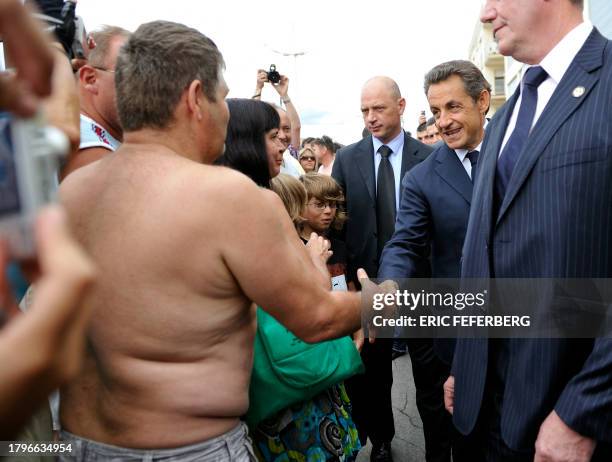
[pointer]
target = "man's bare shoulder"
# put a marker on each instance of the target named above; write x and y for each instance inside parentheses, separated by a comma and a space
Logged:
(79, 181)
(272, 199)
(220, 186)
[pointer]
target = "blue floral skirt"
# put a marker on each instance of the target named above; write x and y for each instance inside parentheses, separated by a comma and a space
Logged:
(318, 430)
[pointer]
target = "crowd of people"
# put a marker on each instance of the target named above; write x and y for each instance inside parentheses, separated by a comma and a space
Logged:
(199, 241)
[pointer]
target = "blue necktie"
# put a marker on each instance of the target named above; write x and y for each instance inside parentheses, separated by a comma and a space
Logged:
(473, 158)
(507, 160)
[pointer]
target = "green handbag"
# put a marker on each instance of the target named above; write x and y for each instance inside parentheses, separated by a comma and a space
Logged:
(287, 370)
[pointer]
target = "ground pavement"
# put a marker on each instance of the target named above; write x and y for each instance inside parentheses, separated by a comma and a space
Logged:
(408, 444)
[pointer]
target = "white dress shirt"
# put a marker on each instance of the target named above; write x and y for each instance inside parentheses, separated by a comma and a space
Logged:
(555, 63)
(397, 146)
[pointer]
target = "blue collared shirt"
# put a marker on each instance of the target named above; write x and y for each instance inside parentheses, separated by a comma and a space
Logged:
(397, 146)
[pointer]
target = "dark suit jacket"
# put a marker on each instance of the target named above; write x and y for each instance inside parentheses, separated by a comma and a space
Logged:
(433, 214)
(354, 171)
(555, 221)
(434, 209)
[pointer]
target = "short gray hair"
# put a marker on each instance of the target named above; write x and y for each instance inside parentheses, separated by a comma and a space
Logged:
(473, 80)
(104, 38)
(155, 66)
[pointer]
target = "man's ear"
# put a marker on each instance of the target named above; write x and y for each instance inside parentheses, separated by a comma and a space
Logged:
(484, 101)
(402, 105)
(88, 79)
(196, 100)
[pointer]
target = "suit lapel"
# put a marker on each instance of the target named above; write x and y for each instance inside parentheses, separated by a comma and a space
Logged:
(452, 172)
(409, 158)
(560, 107)
(487, 164)
(365, 161)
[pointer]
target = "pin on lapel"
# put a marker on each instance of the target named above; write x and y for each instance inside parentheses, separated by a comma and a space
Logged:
(578, 92)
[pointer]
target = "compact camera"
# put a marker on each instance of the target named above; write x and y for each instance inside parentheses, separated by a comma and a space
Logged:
(273, 75)
(30, 155)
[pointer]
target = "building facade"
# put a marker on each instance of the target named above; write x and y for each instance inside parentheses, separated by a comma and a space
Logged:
(485, 55)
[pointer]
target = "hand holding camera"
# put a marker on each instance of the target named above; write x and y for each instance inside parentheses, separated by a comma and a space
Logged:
(279, 82)
(30, 155)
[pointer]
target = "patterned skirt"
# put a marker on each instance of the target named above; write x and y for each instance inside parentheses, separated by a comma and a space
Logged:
(318, 430)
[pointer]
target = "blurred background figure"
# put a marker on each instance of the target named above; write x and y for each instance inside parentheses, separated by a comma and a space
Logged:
(433, 134)
(325, 150)
(308, 160)
(290, 125)
(307, 142)
(421, 132)
(101, 131)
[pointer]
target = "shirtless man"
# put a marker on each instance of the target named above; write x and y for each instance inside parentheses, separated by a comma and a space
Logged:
(183, 249)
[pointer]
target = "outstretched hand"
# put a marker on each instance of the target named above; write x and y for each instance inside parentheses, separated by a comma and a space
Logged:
(318, 249)
(42, 348)
(368, 291)
(53, 326)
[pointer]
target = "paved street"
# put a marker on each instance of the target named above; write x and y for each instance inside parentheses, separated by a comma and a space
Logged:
(408, 444)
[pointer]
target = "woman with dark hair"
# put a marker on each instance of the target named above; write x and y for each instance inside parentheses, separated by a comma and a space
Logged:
(321, 427)
(252, 145)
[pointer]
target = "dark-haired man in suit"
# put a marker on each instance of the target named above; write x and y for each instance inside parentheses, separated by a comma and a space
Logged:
(370, 172)
(541, 209)
(432, 220)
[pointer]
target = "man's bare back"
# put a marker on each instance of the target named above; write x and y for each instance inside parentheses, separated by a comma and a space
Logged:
(182, 249)
(172, 334)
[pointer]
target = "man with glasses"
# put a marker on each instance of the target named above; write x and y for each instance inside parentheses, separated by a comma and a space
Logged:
(101, 131)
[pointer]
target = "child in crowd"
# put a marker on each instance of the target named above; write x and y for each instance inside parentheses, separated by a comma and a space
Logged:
(324, 211)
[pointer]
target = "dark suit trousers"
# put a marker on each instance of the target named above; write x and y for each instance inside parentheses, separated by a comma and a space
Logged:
(430, 373)
(370, 393)
(486, 437)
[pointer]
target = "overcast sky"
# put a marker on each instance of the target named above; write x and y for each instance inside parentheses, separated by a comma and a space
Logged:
(344, 43)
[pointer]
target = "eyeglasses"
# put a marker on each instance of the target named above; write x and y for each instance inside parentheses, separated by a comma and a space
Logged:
(307, 158)
(323, 205)
(112, 71)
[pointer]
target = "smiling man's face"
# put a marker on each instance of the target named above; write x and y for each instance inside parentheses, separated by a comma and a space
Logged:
(459, 118)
